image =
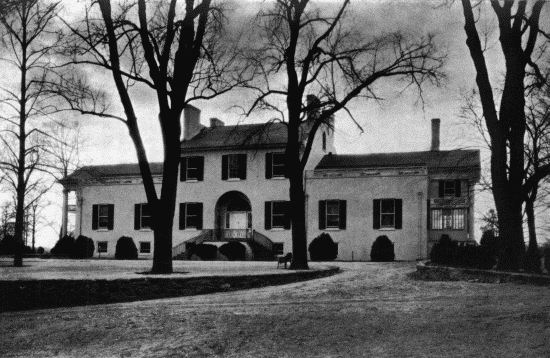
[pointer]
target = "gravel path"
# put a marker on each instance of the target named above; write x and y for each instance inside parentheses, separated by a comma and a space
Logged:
(369, 310)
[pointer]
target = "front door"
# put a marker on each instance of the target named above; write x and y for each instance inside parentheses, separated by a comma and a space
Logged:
(238, 223)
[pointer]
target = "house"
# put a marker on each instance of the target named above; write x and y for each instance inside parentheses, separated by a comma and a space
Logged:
(233, 188)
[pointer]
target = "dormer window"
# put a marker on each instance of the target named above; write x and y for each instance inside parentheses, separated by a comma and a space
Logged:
(449, 188)
(234, 167)
(192, 169)
(274, 165)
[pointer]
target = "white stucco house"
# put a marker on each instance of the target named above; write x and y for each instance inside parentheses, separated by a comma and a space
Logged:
(233, 188)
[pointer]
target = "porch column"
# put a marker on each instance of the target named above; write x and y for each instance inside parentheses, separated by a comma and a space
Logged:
(65, 212)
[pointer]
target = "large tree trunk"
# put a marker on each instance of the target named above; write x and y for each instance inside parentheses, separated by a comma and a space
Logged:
(299, 233)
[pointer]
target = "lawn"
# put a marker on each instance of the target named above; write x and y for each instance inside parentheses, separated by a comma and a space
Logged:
(369, 310)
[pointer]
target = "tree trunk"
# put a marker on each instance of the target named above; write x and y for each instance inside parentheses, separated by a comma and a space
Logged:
(530, 212)
(299, 233)
(510, 222)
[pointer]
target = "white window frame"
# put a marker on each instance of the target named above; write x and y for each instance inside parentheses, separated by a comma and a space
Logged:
(99, 217)
(327, 203)
(188, 167)
(273, 165)
(101, 250)
(383, 214)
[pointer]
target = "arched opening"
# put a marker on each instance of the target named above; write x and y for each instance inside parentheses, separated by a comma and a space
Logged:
(233, 217)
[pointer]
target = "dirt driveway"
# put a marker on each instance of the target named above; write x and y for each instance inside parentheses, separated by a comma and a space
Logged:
(370, 310)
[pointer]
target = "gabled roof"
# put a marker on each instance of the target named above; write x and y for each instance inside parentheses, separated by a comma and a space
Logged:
(242, 136)
(434, 160)
(109, 171)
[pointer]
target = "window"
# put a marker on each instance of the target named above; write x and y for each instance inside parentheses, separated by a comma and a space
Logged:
(449, 188)
(332, 214)
(142, 216)
(102, 247)
(448, 219)
(277, 215)
(278, 248)
(102, 216)
(387, 214)
(192, 169)
(190, 216)
(274, 165)
(324, 141)
(234, 166)
(144, 247)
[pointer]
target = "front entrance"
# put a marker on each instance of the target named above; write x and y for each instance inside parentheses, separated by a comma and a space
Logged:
(233, 217)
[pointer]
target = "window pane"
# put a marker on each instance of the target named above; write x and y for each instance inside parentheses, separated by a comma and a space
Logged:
(102, 246)
(192, 221)
(278, 221)
(145, 247)
(192, 209)
(103, 221)
(145, 222)
(192, 173)
(333, 208)
(387, 220)
(103, 210)
(145, 210)
(449, 188)
(333, 221)
(233, 166)
(278, 159)
(436, 219)
(387, 206)
(278, 208)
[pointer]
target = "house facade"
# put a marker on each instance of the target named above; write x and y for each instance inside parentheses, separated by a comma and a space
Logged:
(233, 188)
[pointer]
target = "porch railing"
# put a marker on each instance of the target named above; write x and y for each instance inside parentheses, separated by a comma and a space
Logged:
(233, 235)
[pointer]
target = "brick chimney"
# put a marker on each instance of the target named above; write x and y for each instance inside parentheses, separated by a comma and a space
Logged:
(191, 122)
(215, 122)
(435, 133)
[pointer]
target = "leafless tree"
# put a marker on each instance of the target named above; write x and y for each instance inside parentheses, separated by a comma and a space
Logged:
(175, 50)
(520, 37)
(310, 64)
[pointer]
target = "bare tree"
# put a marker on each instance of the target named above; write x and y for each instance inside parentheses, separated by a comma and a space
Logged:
(175, 50)
(519, 31)
(310, 64)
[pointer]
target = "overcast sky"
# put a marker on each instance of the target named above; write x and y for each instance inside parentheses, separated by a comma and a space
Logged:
(398, 123)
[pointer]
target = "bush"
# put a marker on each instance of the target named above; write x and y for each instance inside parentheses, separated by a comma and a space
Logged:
(40, 250)
(490, 242)
(63, 246)
(206, 252)
(323, 248)
(382, 250)
(83, 248)
(531, 260)
(234, 251)
(126, 249)
(444, 251)
(8, 245)
(546, 252)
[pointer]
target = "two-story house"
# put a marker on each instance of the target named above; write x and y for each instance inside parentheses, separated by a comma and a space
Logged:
(233, 188)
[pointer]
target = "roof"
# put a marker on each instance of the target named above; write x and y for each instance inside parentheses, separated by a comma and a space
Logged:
(105, 171)
(434, 160)
(245, 136)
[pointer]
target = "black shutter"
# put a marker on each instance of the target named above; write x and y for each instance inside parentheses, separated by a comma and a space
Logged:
(183, 169)
(267, 215)
(242, 166)
(376, 214)
(268, 165)
(200, 163)
(288, 215)
(458, 188)
(441, 188)
(322, 215)
(199, 214)
(111, 223)
(182, 216)
(398, 213)
(225, 166)
(343, 214)
(137, 216)
(95, 216)
(429, 215)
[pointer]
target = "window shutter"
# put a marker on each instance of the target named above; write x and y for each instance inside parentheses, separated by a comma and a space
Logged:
(242, 166)
(95, 216)
(268, 165)
(343, 214)
(429, 215)
(376, 214)
(267, 215)
(458, 188)
(110, 224)
(322, 215)
(183, 169)
(288, 215)
(200, 162)
(137, 216)
(225, 166)
(182, 216)
(398, 213)
(441, 188)
(199, 220)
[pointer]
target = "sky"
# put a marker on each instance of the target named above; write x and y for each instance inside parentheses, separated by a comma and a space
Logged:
(396, 124)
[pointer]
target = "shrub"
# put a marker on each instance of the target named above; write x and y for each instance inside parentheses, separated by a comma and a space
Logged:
(444, 251)
(382, 250)
(40, 250)
(234, 251)
(63, 246)
(490, 242)
(8, 245)
(126, 249)
(546, 252)
(531, 260)
(83, 248)
(206, 252)
(323, 248)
